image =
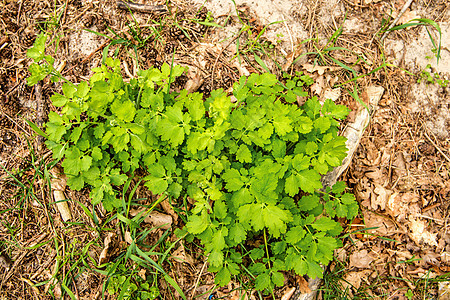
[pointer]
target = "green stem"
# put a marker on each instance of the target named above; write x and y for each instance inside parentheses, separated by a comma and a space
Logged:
(267, 248)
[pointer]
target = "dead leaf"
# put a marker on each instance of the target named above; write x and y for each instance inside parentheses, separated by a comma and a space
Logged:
(127, 237)
(293, 55)
(319, 69)
(444, 290)
(302, 285)
(408, 16)
(155, 217)
(180, 255)
(353, 279)
(288, 294)
(332, 94)
(104, 257)
(195, 79)
(318, 85)
(382, 198)
(385, 227)
(360, 259)
(419, 233)
(167, 207)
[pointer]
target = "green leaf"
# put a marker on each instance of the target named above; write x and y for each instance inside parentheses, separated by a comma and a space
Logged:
(322, 123)
(326, 224)
(216, 258)
(223, 277)
(314, 270)
(125, 110)
(278, 278)
(37, 52)
(295, 234)
(234, 180)
(309, 180)
(275, 219)
(282, 125)
(197, 224)
(243, 154)
(59, 100)
(292, 185)
(308, 203)
(262, 282)
(237, 233)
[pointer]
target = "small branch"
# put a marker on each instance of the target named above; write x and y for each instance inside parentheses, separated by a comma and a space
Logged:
(143, 8)
(218, 56)
(405, 7)
(437, 147)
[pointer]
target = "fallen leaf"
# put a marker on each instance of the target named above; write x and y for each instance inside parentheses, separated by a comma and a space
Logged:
(104, 257)
(360, 259)
(180, 255)
(167, 207)
(332, 94)
(419, 233)
(302, 285)
(382, 198)
(353, 279)
(319, 69)
(384, 226)
(195, 79)
(155, 217)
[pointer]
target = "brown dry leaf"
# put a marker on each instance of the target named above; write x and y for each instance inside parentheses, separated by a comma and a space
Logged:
(292, 56)
(360, 259)
(376, 175)
(180, 255)
(444, 290)
(302, 285)
(127, 237)
(385, 226)
(167, 207)
(288, 294)
(59, 183)
(419, 233)
(382, 198)
(319, 69)
(155, 217)
(103, 258)
(354, 279)
(318, 85)
(332, 94)
(195, 79)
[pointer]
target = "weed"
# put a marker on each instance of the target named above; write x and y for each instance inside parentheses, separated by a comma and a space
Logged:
(431, 78)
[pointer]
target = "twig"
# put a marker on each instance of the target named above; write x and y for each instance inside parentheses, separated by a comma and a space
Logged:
(198, 279)
(219, 55)
(87, 57)
(20, 258)
(143, 8)
(437, 147)
(404, 8)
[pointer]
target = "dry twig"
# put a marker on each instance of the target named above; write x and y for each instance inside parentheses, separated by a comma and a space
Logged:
(143, 8)
(404, 8)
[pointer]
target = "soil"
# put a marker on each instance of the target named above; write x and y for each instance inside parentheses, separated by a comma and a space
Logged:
(399, 173)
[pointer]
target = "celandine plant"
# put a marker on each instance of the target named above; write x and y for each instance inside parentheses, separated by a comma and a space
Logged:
(252, 166)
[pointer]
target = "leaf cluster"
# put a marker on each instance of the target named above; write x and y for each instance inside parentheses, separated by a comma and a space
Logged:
(251, 167)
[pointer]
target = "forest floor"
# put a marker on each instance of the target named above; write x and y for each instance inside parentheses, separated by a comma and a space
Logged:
(399, 245)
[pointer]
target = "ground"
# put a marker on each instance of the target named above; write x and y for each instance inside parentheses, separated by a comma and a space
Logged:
(397, 248)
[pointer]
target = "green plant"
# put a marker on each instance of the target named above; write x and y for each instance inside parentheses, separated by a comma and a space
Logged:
(431, 78)
(127, 284)
(253, 167)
